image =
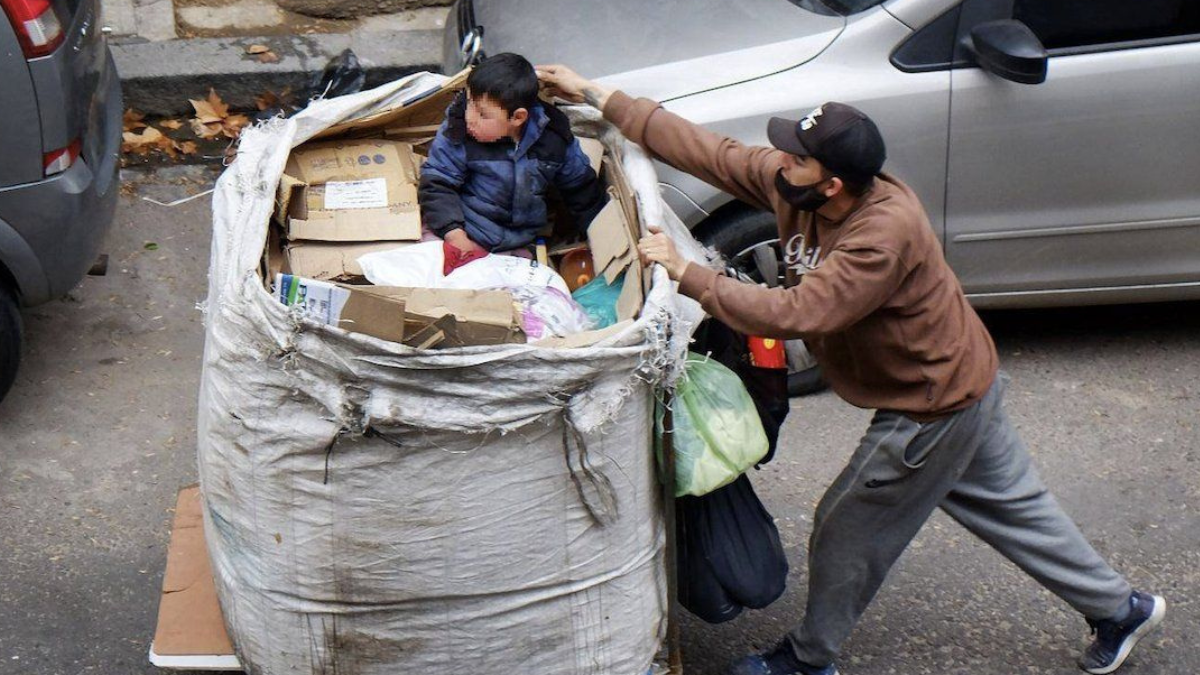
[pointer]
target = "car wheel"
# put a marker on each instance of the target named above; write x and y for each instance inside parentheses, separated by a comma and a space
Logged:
(10, 338)
(749, 240)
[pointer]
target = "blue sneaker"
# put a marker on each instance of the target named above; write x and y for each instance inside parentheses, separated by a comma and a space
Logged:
(779, 661)
(1115, 639)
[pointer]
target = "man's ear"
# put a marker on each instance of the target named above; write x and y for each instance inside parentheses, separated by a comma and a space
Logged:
(519, 115)
(836, 186)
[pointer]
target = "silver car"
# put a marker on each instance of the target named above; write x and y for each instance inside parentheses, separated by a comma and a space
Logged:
(60, 134)
(1054, 143)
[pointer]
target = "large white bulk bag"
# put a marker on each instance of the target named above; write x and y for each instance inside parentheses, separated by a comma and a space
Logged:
(375, 509)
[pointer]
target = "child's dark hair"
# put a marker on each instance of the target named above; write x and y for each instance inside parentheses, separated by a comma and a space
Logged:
(507, 78)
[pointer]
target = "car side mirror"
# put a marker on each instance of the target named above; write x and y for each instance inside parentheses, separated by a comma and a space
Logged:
(1009, 49)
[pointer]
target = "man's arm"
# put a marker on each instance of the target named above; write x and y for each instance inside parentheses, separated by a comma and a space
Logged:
(848, 286)
(851, 283)
(747, 173)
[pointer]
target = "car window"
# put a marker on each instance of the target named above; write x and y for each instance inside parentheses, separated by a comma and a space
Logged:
(1063, 24)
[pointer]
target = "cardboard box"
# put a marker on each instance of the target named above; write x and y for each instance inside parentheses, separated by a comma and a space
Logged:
(332, 261)
(347, 307)
(483, 317)
(359, 190)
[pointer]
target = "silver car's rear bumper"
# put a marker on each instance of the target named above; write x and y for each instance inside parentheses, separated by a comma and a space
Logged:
(51, 230)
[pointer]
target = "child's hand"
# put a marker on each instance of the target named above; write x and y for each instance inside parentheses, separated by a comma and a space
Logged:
(566, 84)
(459, 239)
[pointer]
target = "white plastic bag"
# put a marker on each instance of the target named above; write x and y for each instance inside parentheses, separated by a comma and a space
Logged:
(504, 271)
(414, 266)
(547, 311)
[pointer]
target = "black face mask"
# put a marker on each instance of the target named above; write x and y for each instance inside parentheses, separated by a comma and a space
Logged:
(803, 197)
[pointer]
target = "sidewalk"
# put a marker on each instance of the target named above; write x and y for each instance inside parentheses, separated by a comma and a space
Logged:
(168, 52)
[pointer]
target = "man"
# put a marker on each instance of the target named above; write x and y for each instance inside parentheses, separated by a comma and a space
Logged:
(887, 320)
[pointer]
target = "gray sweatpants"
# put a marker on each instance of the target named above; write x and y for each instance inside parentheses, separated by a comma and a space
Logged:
(975, 467)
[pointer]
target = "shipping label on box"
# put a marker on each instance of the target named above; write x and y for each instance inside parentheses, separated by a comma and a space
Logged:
(359, 190)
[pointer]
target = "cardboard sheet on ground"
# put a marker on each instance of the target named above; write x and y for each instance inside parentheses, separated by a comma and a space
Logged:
(191, 631)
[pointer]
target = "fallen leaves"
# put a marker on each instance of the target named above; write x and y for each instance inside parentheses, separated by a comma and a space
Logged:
(213, 118)
(263, 53)
(212, 122)
(133, 120)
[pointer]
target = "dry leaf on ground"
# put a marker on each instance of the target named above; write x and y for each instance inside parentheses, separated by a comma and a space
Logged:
(268, 57)
(210, 110)
(269, 99)
(150, 139)
(234, 124)
(132, 120)
(206, 131)
(257, 49)
(171, 124)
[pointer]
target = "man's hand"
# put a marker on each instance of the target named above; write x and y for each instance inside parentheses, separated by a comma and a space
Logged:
(458, 239)
(657, 247)
(566, 84)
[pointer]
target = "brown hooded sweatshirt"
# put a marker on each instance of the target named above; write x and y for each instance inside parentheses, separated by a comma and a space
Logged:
(871, 295)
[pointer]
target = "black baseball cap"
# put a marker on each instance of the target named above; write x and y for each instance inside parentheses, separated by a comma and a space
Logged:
(839, 136)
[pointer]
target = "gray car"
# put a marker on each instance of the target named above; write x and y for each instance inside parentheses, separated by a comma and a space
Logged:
(60, 134)
(1054, 143)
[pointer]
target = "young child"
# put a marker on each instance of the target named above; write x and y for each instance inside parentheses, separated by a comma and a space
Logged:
(483, 187)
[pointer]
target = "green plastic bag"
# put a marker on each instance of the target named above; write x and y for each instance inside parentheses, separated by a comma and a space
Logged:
(718, 434)
(599, 300)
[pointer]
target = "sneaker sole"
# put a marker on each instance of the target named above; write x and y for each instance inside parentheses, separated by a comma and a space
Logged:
(1156, 617)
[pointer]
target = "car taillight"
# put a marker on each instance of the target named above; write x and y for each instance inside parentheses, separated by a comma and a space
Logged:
(38, 28)
(58, 161)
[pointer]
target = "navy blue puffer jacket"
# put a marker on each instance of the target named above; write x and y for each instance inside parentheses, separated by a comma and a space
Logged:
(497, 191)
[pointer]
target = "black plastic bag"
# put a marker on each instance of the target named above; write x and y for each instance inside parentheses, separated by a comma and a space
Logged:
(729, 554)
(342, 75)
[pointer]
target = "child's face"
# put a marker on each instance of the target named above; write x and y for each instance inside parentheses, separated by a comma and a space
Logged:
(488, 121)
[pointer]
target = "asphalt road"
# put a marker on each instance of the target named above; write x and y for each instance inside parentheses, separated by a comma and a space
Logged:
(98, 434)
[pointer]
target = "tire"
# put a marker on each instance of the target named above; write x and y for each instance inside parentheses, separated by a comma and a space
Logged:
(10, 338)
(741, 237)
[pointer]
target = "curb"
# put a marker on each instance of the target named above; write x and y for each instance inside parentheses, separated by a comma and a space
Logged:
(158, 78)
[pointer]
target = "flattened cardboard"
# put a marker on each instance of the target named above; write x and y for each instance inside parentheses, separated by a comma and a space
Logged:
(332, 261)
(629, 303)
(608, 238)
(427, 111)
(360, 312)
(584, 339)
(484, 317)
(383, 318)
(357, 225)
(189, 616)
(311, 169)
(594, 150)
